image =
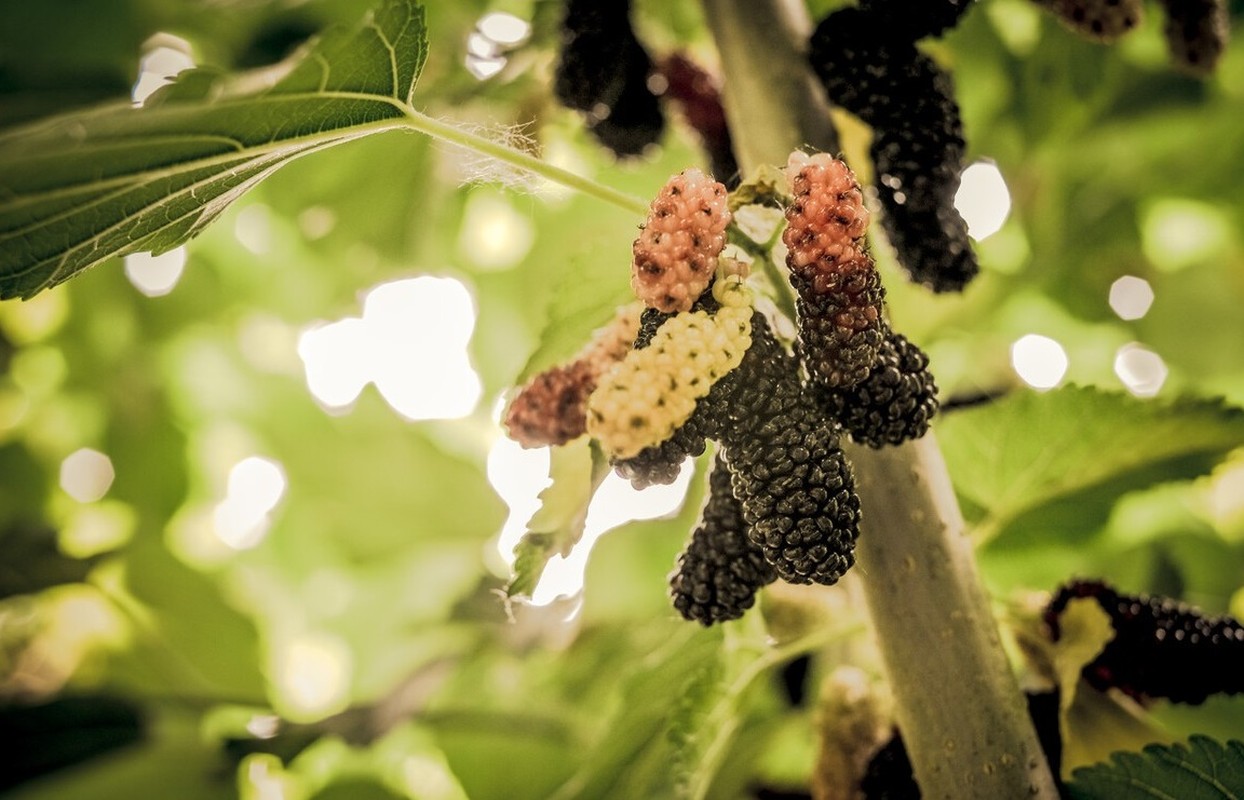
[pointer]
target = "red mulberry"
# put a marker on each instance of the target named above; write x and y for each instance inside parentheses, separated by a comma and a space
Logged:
(676, 253)
(840, 294)
(895, 403)
(1099, 20)
(603, 71)
(697, 96)
(720, 570)
(917, 146)
(1196, 33)
(552, 408)
(1161, 648)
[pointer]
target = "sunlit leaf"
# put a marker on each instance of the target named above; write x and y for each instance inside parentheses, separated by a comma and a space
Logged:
(81, 188)
(576, 469)
(1202, 770)
(1031, 449)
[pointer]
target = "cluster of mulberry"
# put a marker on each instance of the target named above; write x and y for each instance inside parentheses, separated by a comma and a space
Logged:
(840, 294)
(603, 72)
(720, 570)
(675, 255)
(1161, 648)
(699, 364)
(878, 74)
(552, 408)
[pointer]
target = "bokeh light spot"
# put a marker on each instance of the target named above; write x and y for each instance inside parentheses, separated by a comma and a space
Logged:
(1041, 362)
(155, 276)
(1131, 297)
(983, 199)
(86, 475)
(1142, 371)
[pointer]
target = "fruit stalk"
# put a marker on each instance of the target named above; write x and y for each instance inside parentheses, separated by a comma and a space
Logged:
(958, 703)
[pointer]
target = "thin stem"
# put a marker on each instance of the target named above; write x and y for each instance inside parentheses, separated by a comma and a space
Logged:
(446, 132)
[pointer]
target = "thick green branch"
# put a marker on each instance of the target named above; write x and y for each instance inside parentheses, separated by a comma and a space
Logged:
(959, 706)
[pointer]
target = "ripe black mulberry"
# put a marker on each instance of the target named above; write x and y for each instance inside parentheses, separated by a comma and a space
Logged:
(720, 570)
(1161, 648)
(894, 404)
(909, 20)
(917, 147)
(603, 71)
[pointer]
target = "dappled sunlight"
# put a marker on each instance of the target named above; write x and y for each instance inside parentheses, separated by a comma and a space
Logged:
(1142, 371)
(615, 503)
(983, 199)
(256, 486)
(312, 676)
(164, 56)
(155, 275)
(411, 342)
(1041, 362)
(1131, 297)
(86, 475)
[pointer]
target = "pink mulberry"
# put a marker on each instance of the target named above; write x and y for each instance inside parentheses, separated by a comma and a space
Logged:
(840, 293)
(676, 254)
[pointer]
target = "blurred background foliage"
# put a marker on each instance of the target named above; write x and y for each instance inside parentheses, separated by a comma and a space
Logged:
(216, 582)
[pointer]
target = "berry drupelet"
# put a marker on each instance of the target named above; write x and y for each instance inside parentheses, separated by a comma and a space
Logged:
(720, 571)
(1161, 648)
(840, 294)
(894, 404)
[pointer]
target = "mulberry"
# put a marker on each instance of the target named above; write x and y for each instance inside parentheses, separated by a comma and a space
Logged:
(909, 20)
(654, 390)
(917, 147)
(1161, 648)
(1099, 20)
(603, 71)
(840, 293)
(1196, 33)
(552, 408)
(697, 96)
(675, 255)
(795, 485)
(720, 570)
(895, 403)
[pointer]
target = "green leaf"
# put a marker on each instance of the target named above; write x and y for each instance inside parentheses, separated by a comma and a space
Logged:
(576, 469)
(1032, 449)
(1205, 770)
(84, 187)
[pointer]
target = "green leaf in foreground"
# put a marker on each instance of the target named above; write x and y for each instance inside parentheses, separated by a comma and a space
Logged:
(1205, 770)
(84, 187)
(1032, 449)
(576, 469)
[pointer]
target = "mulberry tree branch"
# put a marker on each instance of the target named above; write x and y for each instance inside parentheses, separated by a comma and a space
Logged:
(959, 706)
